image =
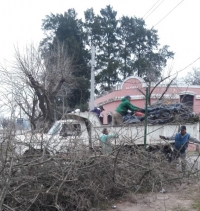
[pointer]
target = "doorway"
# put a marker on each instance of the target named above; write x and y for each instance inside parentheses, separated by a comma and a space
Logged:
(109, 119)
(187, 100)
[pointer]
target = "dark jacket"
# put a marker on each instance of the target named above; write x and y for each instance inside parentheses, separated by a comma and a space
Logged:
(124, 106)
(181, 142)
(97, 111)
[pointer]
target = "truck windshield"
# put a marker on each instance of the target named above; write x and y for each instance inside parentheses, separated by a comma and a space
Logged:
(55, 128)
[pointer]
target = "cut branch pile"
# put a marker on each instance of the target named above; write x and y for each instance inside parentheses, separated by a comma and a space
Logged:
(165, 113)
(52, 183)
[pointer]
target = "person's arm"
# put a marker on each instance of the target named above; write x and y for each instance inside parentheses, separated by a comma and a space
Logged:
(96, 110)
(194, 140)
(132, 107)
(103, 138)
(112, 136)
(168, 137)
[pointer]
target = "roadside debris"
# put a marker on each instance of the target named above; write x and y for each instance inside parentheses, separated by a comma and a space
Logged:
(163, 190)
(114, 207)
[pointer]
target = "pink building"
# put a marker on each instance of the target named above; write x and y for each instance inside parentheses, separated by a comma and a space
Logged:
(135, 87)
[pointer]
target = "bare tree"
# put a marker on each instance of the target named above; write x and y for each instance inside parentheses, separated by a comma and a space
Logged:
(151, 89)
(34, 81)
(193, 77)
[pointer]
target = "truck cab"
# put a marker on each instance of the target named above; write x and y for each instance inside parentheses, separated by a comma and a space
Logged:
(66, 136)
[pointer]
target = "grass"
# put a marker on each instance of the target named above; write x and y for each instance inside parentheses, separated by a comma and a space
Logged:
(190, 153)
(196, 204)
(194, 195)
(178, 208)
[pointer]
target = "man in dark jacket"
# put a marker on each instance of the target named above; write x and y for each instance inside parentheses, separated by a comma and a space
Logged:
(98, 111)
(122, 110)
(182, 140)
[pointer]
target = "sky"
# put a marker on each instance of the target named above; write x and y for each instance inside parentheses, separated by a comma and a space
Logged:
(21, 20)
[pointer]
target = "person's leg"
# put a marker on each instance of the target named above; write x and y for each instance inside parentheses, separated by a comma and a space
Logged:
(103, 148)
(114, 122)
(116, 118)
(183, 161)
(175, 156)
(119, 119)
(108, 148)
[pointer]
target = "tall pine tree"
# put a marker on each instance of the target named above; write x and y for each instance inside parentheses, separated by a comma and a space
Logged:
(68, 29)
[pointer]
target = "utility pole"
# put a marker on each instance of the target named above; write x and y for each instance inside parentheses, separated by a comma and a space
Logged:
(63, 104)
(146, 113)
(54, 110)
(91, 104)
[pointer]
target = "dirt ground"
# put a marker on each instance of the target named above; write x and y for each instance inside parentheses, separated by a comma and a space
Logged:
(181, 198)
(184, 197)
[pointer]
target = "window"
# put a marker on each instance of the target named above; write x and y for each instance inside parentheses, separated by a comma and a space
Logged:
(70, 130)
(55, 128)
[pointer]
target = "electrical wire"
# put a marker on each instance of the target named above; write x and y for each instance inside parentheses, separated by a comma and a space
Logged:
(150, 9)
(177, 71)
(154, 10)
(186, 66)
(168, 13)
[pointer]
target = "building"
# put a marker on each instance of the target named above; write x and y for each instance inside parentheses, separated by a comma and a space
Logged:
(135, 87)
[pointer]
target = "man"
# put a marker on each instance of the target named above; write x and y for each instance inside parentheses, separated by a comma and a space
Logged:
(98, 111)
(122, 110)
(182, 140)
(105, 142)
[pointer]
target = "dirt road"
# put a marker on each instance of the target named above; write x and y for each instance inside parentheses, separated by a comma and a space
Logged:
(158, 202)
(178, 198)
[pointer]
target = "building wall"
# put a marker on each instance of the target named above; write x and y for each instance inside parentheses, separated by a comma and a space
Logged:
(135, 86)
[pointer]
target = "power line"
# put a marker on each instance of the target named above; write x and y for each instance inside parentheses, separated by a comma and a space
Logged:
(186, 66)
(150, 9)
(168, 13)
(177, 71)
(154, 9)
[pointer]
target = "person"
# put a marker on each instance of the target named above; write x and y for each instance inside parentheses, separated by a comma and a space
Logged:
(122, 110)
(98, 110)
(105, 141)
(182, 140)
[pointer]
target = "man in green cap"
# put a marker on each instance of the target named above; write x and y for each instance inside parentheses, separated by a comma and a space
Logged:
(122, 110)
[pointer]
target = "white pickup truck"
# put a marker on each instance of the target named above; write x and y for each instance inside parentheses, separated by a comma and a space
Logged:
(82, 131)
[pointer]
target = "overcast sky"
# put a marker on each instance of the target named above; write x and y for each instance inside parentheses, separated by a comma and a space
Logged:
(21, 20)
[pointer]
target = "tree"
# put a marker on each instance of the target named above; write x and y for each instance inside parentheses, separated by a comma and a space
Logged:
(108, 48)
(102, 32)
(92, 28)
(125, 54)
(139, 52)
(193, 77)
(67, 29)
(35, 82)
(151, 89)
(124, 47)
